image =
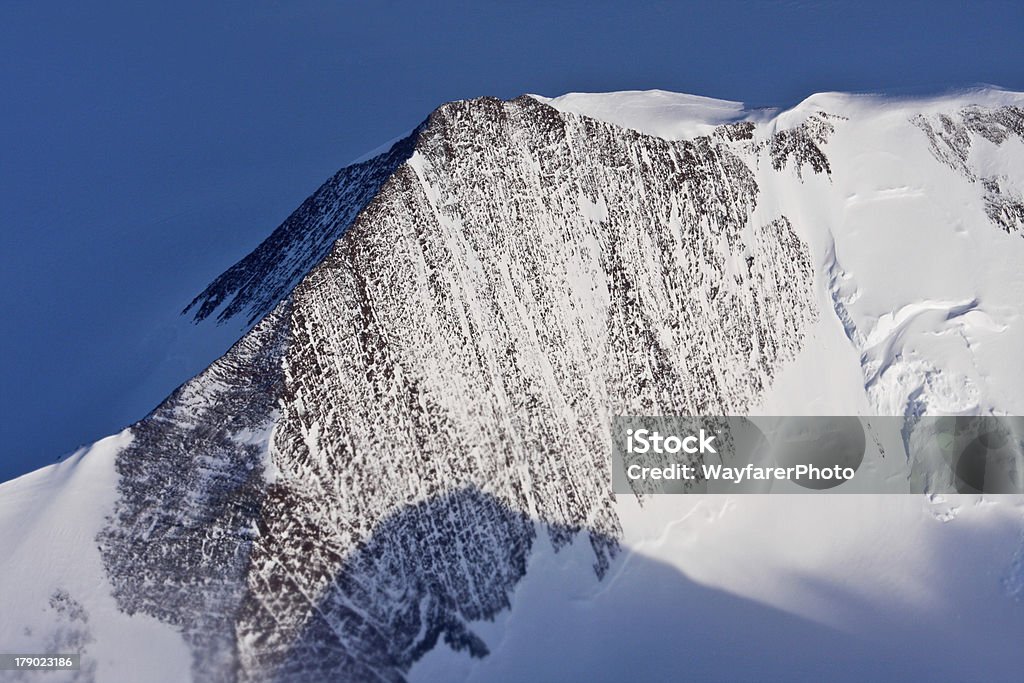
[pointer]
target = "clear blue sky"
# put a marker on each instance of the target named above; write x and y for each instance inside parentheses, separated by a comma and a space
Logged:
(147, 146)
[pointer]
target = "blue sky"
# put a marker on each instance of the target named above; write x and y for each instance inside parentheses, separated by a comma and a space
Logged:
(147, 146)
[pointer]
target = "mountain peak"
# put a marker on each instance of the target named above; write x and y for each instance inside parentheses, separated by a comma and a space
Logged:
(422, 416)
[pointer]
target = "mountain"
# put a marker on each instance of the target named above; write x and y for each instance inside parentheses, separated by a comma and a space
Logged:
(401, 470)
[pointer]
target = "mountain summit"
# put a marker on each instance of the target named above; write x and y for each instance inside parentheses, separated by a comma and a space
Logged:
(402, 470)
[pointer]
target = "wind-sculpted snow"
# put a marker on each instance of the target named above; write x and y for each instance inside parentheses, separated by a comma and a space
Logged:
(256, 284)
(451, 364)
(951, 139)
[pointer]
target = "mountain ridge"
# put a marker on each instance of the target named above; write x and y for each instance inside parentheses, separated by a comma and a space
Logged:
(448, 353)
(620, 108)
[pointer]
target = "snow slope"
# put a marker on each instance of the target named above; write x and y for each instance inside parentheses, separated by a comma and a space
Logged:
(55, 594)
(667, 115)
(845, 588)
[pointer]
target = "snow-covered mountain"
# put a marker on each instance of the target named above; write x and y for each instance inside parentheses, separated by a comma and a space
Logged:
(402, 470)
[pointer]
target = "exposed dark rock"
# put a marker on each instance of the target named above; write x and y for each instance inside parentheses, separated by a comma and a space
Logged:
(734, 132)
(801, 145)
(950, 140)
(451, 365)
(1003, 204)
(256, 284)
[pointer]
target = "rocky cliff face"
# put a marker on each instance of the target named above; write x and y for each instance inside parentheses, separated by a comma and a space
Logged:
(366, 471)
(952, 136)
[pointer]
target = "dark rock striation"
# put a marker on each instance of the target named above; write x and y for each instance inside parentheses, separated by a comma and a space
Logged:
(364, 473)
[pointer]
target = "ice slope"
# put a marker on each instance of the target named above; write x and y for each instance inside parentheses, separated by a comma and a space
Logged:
(889, 288)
